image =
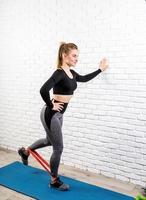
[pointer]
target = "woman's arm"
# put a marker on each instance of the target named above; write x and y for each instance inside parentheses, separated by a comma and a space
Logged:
(87, 77)
(48, 85)
(84, 78)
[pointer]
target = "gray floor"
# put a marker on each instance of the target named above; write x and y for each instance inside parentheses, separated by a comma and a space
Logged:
(8, 156)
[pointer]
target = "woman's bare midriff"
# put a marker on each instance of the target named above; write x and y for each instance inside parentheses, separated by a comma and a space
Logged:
(62, 98)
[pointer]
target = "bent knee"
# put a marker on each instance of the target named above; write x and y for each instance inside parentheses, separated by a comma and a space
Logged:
(46, 142)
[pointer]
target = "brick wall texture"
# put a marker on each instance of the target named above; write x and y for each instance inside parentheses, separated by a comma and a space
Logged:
(104, 126)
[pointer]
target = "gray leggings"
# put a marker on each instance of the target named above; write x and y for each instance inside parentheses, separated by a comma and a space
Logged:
(53, 138)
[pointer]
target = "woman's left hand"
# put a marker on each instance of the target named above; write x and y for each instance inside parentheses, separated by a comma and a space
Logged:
(103, 65)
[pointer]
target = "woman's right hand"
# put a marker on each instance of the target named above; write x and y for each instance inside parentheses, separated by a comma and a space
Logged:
(58, 106)
(103, 65)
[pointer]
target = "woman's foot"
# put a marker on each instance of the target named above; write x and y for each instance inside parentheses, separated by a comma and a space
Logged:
(24, 155)
(59, 185)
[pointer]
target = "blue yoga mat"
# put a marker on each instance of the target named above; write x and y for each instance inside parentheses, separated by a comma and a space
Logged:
(34, 182)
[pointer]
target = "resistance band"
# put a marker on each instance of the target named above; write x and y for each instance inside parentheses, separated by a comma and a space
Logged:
(41, 160)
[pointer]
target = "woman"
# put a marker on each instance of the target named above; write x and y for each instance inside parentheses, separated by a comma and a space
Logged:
(64, 82)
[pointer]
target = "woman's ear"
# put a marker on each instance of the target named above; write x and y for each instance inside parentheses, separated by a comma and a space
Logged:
(64, 55)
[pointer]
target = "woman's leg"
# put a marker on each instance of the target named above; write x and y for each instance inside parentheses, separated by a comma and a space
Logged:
(45, 141)
(56, 141)
(24, 153)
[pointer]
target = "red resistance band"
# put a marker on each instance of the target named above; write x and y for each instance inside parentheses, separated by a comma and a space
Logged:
(41, 160)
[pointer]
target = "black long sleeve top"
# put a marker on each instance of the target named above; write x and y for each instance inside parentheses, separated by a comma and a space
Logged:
(63, 84)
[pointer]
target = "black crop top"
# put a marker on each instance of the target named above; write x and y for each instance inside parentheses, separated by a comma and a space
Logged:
(63, 84)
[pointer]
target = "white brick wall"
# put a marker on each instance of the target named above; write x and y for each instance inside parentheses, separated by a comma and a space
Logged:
(105, 123)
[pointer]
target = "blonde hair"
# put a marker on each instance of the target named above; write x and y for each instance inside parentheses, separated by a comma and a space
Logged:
(64, 48)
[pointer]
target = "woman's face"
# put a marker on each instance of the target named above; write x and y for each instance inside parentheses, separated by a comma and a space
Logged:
(71, 58)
